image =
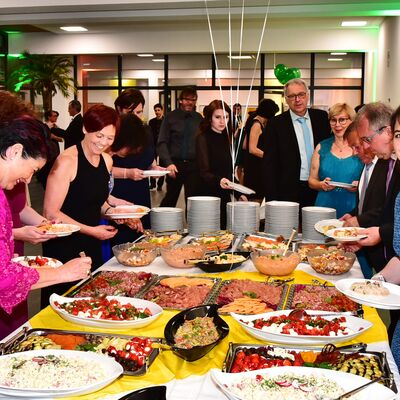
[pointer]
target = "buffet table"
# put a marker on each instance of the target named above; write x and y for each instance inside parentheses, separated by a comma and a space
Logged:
(191, 380)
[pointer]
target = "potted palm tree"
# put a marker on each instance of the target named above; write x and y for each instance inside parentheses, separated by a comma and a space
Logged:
(44, 74)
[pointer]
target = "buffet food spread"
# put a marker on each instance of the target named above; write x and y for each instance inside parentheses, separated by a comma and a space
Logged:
(205, 341)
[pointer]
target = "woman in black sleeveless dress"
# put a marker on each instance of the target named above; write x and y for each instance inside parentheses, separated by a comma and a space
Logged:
(77, 191)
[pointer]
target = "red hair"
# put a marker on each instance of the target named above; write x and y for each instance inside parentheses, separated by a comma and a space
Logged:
(99, 116)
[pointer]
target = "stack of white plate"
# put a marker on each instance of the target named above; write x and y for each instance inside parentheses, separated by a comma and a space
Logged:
(203, 214)
(310, 216)
(281, 217)
(166, 219)
(243, 216)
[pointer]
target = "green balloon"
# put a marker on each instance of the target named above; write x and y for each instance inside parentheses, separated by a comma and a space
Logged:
(285, 74)
(280, 72)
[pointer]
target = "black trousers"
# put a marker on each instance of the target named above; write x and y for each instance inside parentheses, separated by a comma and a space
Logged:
(185, 177)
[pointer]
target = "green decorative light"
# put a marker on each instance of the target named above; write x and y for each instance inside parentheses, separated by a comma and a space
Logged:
(14, 55)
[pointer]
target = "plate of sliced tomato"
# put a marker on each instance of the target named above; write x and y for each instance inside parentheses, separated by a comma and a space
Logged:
(313, 328)
(112, 312)
(37, 262)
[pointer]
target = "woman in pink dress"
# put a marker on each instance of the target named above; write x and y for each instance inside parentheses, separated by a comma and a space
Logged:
(23, 151)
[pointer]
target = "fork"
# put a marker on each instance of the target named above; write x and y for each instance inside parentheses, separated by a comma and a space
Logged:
(362, 387)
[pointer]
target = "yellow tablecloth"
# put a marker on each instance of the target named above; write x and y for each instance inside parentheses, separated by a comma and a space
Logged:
(167, 365)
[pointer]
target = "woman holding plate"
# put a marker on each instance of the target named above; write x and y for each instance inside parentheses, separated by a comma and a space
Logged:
(133, 153)
(78, 190)
(24, 150)
(213, 155)
(333, 161)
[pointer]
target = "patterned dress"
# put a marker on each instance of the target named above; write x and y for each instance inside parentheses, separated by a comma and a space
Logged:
(15, 279)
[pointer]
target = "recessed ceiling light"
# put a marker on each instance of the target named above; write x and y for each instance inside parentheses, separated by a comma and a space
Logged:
(73, 28)
(335, 59)
(145, 55)
(240, 57)
(354, 23)
(158, 60)
(338, 54)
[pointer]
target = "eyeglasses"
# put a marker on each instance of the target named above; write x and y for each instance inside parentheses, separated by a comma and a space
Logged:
(368, 139)
(300, 96)
(340, 121)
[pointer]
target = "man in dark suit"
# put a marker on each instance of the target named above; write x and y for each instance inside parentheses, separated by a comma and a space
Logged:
(74, 133)
(289, 141)
(370, 200)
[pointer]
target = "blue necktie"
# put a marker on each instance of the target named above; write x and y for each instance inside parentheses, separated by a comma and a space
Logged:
(307, 139)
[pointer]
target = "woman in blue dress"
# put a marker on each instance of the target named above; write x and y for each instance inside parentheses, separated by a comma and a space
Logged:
(333, 161)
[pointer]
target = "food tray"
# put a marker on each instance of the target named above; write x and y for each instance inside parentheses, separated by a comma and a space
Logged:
(196, 239)
(208, 300)
(279, 305)
(9, 346)
(380, 357)
(77, 290)
(260, 235)
(147, 238)
(358, 312)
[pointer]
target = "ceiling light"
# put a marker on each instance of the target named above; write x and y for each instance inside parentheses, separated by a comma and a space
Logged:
(354, 23)
(335, 59)
(338, 54)
(240, 57)
(73, 28)
(145, 55)
(158, 60)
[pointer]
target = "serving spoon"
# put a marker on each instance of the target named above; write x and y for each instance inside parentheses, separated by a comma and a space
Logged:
(294, 231)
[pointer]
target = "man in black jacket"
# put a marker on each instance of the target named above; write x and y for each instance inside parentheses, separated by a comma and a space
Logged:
(289, 142)
(74, 133)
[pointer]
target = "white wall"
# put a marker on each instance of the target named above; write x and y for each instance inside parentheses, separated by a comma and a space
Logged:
(388, 77)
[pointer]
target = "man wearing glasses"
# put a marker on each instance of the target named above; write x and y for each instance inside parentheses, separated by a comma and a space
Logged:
(176, 147)
(373, 127)
(289, 142)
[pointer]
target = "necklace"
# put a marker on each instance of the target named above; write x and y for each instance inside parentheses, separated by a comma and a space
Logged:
(340, 148)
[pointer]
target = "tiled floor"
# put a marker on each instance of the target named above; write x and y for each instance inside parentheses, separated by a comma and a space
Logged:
(36, 194)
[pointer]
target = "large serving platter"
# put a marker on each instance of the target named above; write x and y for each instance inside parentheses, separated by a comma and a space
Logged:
(110, 367)
(390, 302)
(171, 293)
(355, 359)
(19, 343)
(264, 286)
(260, 241)
(321, 297)
(215, 241)
(114, 283)
(141, 304)
(357, 325)
(346, 381)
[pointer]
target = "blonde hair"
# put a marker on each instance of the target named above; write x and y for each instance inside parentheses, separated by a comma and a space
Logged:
(338, 108)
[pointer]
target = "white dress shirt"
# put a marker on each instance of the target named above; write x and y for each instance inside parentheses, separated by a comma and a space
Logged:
(305, 167)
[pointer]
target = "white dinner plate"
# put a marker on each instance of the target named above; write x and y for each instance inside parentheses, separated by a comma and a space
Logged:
(357, 325)
(123, 212)
(23, 260)
(155, 309)
(345, 380)
(333, 234)
(112, 370)
(240, 188)
(154, 173)
(341, 184)
(390, 302)
(321, 226)
(61, 230)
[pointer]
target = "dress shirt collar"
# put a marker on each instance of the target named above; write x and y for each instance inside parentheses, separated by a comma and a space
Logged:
(295, 117)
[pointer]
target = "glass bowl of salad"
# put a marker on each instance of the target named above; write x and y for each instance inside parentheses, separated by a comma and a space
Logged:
(273, 262)
(135, 254)
(331, 262)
